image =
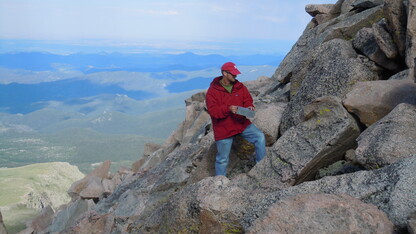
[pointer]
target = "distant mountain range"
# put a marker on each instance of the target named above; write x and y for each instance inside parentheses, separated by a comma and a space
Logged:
(91, 63)
(28, 81)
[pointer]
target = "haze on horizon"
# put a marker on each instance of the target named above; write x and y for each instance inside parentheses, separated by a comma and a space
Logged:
(217, 26)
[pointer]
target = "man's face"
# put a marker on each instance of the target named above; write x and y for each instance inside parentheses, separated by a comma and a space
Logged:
(230, 77)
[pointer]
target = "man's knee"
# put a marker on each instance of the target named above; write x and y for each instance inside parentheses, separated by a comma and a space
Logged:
(260, 138)
(221, 160)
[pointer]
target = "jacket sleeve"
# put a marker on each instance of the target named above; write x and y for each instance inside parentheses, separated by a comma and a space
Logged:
(216, 109)
(247, 99)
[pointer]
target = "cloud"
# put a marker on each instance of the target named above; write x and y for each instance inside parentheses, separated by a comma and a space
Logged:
(154, 12)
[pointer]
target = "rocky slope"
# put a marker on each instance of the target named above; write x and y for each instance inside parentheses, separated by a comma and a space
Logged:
(344, 97)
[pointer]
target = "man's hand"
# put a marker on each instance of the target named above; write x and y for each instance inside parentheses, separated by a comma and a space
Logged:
(233, 109)
(251, 108)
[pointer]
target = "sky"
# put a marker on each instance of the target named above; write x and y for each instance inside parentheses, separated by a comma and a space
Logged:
(231, 26)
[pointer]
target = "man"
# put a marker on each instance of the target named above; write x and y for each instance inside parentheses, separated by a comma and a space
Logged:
(223, 98)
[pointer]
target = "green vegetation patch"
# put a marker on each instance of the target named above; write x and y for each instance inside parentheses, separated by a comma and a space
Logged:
(24, 190)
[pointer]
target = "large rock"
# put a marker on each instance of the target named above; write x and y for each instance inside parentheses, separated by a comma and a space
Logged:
(385, 40)
(303, 52)
(94, 188)
(196, 120)
(315, 9)
(323, 213)
(208, 204)
(277, 92)
(365, 41)
(411, 35)
(373, 100)
(333, 70)
(259, 86)
(391, 189)
(90, 187)
(349, 24)
(268, 118)
(198, 129)
(395, 14)
(366, 4)
(68, 216)
(322, 139)
(389, 139)
(109, 185)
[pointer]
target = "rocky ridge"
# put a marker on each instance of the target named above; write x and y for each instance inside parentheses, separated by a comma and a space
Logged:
(345, 92)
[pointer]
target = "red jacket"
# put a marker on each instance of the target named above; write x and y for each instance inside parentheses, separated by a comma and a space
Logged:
(218, 99)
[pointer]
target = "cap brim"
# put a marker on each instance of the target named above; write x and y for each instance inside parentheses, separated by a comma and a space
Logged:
(235, 72)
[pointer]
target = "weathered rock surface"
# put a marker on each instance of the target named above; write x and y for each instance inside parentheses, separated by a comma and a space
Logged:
(315, 9)
(345, 6)
(259, 86)
(94, 224)
(303, 52)
(322, 139)
(385, 40)
(332, 71)
(196, 119)
(391, 189)
(365, 41)
(157, 157)
(323, 213)
(340, 167)
(223, 205)
(268, 118)
(389, 139)
(395, 14)
(366, 4)
(68, 217)
(373, 100)
(91, 187)
(411, 224)
(411, 34)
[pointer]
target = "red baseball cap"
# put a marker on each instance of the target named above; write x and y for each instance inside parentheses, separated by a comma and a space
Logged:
(231, 68)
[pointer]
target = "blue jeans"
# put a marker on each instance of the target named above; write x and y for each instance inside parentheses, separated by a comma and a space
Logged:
(252, 134)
